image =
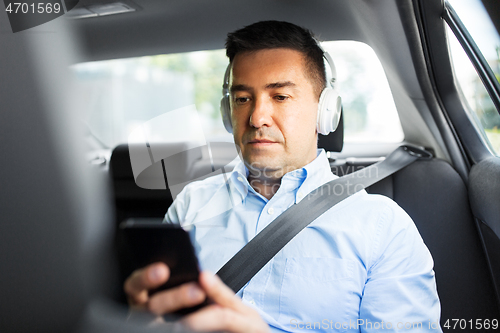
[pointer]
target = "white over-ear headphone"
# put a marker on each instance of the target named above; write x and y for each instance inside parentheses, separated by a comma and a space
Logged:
(329, 107)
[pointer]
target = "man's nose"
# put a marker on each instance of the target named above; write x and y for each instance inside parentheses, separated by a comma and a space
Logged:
(261, 114)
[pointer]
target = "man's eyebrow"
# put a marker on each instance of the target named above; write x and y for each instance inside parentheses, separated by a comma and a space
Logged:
(274, 85)
(280, 85)
(240, 87)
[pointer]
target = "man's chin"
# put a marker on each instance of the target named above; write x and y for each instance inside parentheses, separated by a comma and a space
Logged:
(262, 163)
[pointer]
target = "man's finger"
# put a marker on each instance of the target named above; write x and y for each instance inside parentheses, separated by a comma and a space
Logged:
(216, 318)
(184, 296)
(220, 293)
(150, 277)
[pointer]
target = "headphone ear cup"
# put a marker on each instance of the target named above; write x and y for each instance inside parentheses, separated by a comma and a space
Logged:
(329, 109)
(225, 111)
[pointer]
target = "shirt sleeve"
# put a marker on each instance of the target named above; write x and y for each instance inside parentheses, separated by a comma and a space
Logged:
(400, 291)
(177, 210)
(171, 217)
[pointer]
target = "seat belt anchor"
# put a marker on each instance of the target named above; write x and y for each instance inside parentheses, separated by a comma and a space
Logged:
(418, 152)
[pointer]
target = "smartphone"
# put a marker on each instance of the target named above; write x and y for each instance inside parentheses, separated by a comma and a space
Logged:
(146, 241)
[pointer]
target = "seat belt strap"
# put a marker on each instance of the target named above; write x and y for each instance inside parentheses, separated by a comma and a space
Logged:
(264, 246)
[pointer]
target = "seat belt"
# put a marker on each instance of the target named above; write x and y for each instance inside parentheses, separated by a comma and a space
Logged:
(264, 246)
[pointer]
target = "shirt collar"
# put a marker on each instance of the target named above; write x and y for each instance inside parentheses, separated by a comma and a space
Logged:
(318, 172)
(303, 180)
(238, 179)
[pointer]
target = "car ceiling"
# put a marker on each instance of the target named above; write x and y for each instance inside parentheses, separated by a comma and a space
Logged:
(159, 27)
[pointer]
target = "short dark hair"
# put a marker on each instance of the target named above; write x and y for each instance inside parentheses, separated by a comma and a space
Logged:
(277, 34)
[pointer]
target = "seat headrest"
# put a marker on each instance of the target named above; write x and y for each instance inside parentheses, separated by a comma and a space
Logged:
(334, 141)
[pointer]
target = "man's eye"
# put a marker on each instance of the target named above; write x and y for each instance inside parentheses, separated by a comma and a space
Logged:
(241, 100)
(281, 98)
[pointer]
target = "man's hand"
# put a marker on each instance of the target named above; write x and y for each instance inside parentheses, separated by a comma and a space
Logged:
(227, 314)
(151, 277)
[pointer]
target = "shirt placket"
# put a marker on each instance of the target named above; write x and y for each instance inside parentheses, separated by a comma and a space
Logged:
(254, 292)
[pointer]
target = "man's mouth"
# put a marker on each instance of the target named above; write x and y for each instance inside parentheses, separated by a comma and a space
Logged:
(261, 141)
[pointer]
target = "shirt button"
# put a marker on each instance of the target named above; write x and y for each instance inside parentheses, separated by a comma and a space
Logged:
(241, 179)
(300, 195)
(252, 302)
(270, 211)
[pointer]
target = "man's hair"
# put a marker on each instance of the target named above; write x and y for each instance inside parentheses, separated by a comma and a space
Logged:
(276, 34)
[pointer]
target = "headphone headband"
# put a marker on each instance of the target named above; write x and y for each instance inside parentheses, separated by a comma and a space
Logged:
(330, 63)
(225, 84)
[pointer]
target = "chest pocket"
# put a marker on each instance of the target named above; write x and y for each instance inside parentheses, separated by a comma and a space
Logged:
(318, 290)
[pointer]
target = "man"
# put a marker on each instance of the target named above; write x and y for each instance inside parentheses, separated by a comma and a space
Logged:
(361, 266)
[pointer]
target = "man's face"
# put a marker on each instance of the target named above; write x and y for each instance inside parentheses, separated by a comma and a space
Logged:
(274, 108)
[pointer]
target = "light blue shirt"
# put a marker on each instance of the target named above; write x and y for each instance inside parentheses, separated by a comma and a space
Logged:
(360, 267)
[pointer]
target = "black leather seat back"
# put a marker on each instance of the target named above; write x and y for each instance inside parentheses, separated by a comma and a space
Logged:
(43, 283)
(183, 164)
(436, 198)
(55, 224)
(130, 199)
(484, 194)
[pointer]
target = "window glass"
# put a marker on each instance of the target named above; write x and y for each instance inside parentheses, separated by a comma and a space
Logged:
(481, 109)
(370, 114)
(125, 93)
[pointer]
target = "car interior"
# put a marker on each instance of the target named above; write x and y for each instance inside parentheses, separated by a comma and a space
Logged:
(64, 192)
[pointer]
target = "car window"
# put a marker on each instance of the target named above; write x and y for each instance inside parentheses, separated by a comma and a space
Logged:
(122, 94)
(370, 114)
(480, 109)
